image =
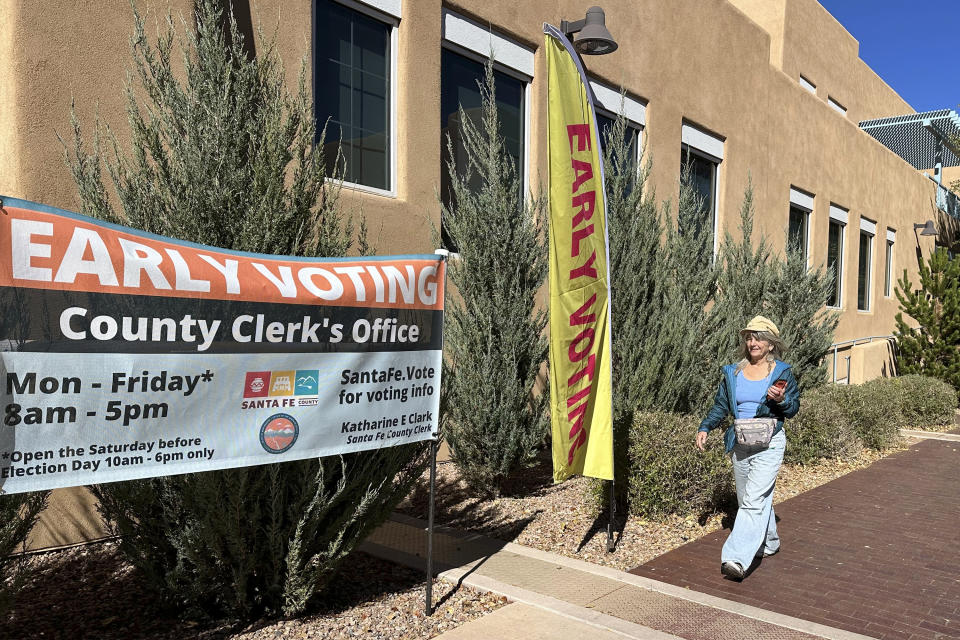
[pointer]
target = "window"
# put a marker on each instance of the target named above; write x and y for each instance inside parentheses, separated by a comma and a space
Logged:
(838, 222)
(605, 123)
(466, 48)
(703, 177)
(459, 76)
(888, 271)
(839, 108)
(608, 103)
(354, 60)
(798, 225)
(797, 234)
(703, 152)
(868, 230)
(809, 86)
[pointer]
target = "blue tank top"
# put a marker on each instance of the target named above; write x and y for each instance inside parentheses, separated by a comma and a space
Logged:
(750, 393)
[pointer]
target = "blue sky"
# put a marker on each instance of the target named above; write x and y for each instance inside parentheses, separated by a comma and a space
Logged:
(911, 45)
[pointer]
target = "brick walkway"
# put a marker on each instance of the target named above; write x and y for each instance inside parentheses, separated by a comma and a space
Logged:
(875, 552)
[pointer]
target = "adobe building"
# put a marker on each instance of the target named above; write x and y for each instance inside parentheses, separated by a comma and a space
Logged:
(768, 89)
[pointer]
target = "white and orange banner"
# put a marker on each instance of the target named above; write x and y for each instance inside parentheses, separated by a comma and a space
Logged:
(580, 375)
(130, 355)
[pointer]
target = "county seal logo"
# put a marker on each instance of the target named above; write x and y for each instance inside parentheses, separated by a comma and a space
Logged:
(278, 433)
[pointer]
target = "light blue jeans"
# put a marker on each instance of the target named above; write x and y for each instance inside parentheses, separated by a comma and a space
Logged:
(755, 529)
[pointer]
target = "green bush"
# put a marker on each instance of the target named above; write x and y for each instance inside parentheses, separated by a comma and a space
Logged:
(18, 514)
(668, 474)
(924, 401)
(837, 421)
(822, 428)
(874, 414)
(493, 330)
(931, 349)
(223, 154)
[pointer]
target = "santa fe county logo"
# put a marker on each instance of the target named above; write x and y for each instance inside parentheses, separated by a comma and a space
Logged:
(277, 389)
(278, 433)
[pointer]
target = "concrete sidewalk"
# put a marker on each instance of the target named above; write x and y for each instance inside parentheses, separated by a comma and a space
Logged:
(555, 597)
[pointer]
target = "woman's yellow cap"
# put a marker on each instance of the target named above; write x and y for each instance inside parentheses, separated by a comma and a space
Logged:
(759, 323)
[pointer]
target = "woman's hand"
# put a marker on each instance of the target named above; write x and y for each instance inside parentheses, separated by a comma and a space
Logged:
(776, 393)
(701, 440)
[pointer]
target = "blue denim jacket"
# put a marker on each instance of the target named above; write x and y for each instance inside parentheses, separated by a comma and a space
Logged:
(725, 402)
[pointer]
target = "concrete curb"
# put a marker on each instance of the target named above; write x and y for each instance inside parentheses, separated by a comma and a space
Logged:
(469, 575)
(930, 435)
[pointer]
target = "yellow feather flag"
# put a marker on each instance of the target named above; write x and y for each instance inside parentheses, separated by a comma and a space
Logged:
(580, 361)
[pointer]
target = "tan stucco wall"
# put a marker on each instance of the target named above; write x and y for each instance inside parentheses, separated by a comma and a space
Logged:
(771, 16)
(868, 361)
(699, 61)
(950, 175)
(9, 138)
(70, 517)
(818, 46)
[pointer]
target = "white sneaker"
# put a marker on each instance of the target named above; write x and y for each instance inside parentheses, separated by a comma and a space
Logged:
(732, 570)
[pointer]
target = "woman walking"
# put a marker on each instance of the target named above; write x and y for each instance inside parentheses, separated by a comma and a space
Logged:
(759, 392)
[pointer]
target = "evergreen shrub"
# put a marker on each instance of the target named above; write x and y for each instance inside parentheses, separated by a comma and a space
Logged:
(493, 331)
(18, 515)
(223, 154)
(822, 428)
(924, 402)
(875, 415)
(753, 281)
(933, 348)
(669, 475)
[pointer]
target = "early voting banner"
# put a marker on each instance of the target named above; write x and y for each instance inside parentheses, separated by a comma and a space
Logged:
(580, 376)
(129, 355)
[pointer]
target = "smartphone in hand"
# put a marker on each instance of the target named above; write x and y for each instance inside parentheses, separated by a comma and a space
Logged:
(780, 384)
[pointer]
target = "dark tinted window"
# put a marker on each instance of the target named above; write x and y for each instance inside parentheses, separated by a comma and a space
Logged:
(835, 261)
(863, 271)
(459, 86)
(460, 79)
(352, 89)
(605, 126)
(888, 276)
(797, 233)
(703, 179)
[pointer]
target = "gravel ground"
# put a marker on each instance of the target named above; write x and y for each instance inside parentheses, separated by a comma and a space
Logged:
(91, 592)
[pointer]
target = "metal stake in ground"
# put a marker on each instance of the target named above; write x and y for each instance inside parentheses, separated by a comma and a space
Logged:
(433, 490)
(611, 545)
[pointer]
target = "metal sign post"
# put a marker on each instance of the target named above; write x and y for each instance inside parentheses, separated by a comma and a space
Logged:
(433, 491)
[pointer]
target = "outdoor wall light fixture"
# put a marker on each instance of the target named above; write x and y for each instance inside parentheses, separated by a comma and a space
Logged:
(593, 38)
(926, 229)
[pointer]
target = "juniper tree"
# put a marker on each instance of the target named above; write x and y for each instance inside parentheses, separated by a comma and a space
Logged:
(684, 347)
(493, 334)
(635, 229)
(222, 153)
(794, 301)
(753, 281)
(932, 350)
(18, 515)
(745, 278)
